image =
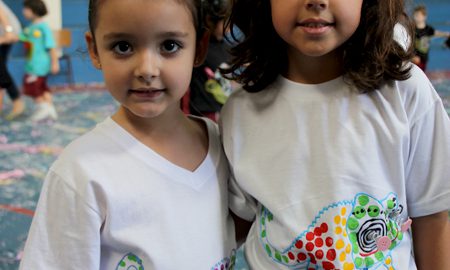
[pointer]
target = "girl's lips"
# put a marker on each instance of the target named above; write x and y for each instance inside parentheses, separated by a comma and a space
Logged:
(314, 22)
(146, 93)
(316, 30)
(315, 27)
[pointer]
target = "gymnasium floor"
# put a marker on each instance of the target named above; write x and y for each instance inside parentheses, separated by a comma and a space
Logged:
(27, 150)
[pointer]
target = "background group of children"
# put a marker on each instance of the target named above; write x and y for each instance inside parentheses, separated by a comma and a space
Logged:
(41, 60)
(334, 147)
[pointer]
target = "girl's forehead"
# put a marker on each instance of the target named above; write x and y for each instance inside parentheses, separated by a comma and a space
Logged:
(143, 16)
(133, 8)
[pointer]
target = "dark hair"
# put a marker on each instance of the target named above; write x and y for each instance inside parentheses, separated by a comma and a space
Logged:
(422, 9)
(36, 6)
(371, 56)
(194, 6)
(216, 10)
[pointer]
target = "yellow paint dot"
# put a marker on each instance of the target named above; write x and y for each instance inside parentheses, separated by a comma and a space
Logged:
(342, 257)
(348, 249)
(338, 230)
(37, 33)
(391, 268)
(337, 219)
(343, 211)
(340, 244)
(388, 260)
(345, 234)
(344, 222)
(349, 266)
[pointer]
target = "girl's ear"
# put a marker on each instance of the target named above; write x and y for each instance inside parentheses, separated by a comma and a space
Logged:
(202, 48)
(92, 48)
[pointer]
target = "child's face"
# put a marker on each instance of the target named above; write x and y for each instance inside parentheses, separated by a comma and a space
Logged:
(146, 50)
(419, 17)
(28, 13)
(314, 28)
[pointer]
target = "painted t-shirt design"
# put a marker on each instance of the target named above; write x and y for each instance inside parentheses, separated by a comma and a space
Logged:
(358, 234)
(226, 263)
(131, 261)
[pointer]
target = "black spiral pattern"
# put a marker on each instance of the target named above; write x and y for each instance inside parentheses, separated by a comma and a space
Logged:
(369, 232)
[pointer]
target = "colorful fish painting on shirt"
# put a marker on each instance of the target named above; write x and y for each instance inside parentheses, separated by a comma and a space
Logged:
(358, 234)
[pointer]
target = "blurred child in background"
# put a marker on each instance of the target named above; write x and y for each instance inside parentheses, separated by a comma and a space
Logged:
(424, 33)
(42, 59)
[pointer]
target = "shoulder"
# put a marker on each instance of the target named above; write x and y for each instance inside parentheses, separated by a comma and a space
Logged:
(416, 93)
(42, 26)
(88, 148)
(418, 86)
(429, 27)
(242, 99)
(209, 126)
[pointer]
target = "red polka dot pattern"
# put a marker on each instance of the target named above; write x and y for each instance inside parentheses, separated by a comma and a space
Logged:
(317, 246)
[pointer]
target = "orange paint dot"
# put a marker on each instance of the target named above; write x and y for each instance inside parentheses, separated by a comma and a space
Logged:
(342, 257)
(349, 266)
(340, 244)
(337, 219)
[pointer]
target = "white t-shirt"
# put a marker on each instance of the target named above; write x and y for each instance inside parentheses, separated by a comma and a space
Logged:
(110, 202)
(330, 176)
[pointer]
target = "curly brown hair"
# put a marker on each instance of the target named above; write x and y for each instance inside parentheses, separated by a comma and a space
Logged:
(371, 56)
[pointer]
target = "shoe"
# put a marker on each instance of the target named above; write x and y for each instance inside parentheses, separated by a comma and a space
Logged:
(53, 113)
(44, 111)
(18, 110)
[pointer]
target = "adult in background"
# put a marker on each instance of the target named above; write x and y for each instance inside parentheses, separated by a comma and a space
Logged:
(9, 30)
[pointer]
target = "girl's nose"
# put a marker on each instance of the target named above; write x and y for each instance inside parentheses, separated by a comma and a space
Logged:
(148, 66)
(317, 4)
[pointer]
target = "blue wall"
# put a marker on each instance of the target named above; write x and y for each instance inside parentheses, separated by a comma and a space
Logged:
(74, 17)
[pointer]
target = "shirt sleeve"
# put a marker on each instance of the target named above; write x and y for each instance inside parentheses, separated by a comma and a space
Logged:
(428, 171)
(65, 232)
(240, 202)
(49, 39)
(23, 37)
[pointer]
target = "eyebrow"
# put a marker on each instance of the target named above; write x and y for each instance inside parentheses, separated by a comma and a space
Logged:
(162, 35)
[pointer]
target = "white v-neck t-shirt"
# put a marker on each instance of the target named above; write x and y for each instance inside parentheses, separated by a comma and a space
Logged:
(110, 202)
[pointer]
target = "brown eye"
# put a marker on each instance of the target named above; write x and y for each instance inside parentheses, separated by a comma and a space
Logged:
(122, 47)
(170, 46)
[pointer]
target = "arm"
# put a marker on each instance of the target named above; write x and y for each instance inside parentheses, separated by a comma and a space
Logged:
(438, 33)
(9, 36)
(65, 231)
(54, 61)
(431, 238)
